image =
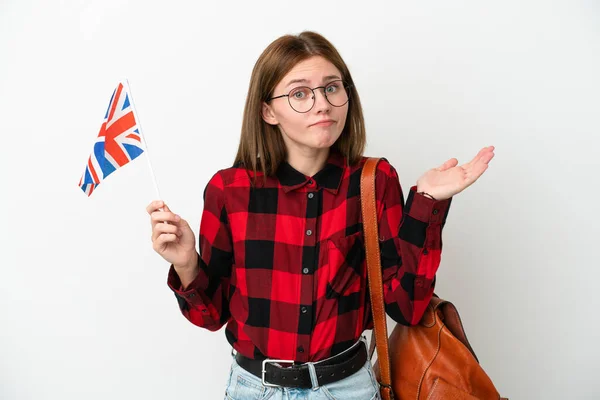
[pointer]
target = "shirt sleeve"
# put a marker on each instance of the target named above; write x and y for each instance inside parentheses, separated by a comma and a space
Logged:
(410, 238)
(205, 302)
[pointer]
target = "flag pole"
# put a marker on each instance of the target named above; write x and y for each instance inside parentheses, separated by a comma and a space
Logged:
(142, 136)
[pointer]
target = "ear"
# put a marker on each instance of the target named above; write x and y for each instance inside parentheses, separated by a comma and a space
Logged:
(268, 115)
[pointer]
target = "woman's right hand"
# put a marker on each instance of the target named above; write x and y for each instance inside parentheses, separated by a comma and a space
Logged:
(174, 241)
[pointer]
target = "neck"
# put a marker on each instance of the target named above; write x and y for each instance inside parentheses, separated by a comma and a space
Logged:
(309, 162)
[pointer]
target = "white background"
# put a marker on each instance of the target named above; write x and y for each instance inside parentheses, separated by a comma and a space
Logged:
(85, 311)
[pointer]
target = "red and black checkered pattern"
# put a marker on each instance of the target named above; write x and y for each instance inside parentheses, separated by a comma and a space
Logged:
(283, 263)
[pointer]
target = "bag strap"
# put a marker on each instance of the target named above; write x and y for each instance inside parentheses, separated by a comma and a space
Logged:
(371, 233)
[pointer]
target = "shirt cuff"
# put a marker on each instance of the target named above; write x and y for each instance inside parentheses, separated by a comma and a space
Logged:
(425, 209)
(192, 293)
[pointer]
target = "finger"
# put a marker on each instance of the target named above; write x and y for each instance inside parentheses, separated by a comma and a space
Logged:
(155, 205)
(481, 155)
(478, 156)
(164, 239)
(472, 174)
(488, 156)
(451, 163)
(166, 208)
(161, 228)
(156, 235)
(484, 158)
(164, 216)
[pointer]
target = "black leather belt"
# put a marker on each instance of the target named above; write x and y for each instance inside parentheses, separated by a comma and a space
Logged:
(328, 370)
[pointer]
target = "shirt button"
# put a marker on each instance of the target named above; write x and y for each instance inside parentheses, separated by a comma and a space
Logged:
(301, 349)
(435, 212)
(309, 232)
(310, 182)
(304, 310)
(311, 195)
(305, 270)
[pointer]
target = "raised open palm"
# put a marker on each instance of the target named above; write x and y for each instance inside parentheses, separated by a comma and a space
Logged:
(450, 178)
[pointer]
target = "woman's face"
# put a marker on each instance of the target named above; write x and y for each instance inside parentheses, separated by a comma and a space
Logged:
(303, 130)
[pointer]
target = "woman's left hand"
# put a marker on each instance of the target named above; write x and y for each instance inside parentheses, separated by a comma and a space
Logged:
(449, 179)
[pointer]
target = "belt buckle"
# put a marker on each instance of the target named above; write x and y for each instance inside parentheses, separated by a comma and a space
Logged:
(264, 369)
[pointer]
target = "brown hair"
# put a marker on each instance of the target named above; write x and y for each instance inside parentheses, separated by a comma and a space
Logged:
(261, 146)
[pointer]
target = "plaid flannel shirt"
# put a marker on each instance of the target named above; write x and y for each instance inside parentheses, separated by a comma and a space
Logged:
(283, 265)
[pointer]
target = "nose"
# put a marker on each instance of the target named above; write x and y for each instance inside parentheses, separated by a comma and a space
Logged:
(321, 102)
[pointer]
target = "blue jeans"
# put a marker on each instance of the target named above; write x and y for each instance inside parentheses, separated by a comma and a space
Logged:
(362, 385)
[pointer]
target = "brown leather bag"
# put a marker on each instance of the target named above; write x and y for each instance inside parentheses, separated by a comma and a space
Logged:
(429, 361)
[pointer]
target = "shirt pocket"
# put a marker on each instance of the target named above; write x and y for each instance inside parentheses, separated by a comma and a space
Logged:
(346, 256)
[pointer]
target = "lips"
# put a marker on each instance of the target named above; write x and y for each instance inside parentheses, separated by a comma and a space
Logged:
(324, 122)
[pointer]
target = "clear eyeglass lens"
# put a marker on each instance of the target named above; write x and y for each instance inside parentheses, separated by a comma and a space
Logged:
(302, 99)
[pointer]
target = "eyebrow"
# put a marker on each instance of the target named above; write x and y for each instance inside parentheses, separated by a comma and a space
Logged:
(325, 78)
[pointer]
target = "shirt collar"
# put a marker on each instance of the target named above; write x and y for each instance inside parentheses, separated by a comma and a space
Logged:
(329, 177)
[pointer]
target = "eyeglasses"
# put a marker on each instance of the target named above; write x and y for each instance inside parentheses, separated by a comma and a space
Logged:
(302, 98)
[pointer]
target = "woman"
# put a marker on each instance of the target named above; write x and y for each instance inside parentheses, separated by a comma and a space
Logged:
(281, 260)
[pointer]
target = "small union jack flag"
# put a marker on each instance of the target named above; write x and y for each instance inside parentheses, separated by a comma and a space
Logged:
(118, 142)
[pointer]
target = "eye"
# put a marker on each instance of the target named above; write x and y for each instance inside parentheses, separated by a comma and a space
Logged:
(300, 93)
(332, 88)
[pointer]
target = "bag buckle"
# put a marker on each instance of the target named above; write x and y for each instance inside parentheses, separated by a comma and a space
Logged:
(388, 387)
(264, 369)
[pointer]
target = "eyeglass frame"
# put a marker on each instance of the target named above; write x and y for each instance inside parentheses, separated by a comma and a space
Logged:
(345, 86)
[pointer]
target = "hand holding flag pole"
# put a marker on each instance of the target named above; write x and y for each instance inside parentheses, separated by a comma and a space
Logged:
(119, 142)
